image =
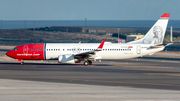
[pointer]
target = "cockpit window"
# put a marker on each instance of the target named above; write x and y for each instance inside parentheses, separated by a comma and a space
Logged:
(15, 49)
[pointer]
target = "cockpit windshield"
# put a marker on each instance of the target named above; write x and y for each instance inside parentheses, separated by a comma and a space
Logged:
(15, 49)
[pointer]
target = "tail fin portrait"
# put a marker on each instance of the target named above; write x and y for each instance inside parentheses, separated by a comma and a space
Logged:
(156, 34)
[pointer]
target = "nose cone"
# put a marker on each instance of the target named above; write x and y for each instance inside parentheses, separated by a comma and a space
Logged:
(9, 53)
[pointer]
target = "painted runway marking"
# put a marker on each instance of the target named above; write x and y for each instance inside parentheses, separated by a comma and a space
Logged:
(124, 82)
(139, 66)
(170, 74)
(83, 65)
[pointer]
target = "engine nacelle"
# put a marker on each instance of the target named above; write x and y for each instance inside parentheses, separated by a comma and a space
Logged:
(68, 58)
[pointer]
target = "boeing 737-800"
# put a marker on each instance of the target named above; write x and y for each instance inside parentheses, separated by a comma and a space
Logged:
(76, 52)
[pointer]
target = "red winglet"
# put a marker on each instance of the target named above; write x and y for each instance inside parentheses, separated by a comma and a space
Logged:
(120, 41)
(101, 45)
(165, 15)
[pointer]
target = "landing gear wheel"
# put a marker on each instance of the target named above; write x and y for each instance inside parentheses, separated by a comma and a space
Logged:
(86, 63)
(22, 63)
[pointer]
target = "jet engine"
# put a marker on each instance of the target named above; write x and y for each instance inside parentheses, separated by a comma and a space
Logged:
(68, 58)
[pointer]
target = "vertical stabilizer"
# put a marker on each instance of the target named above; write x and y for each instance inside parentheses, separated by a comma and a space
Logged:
(156, 34)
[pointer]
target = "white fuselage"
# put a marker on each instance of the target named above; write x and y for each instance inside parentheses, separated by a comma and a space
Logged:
(109, 51)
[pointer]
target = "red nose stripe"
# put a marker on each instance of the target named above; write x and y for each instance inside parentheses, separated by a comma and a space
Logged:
(28, 52)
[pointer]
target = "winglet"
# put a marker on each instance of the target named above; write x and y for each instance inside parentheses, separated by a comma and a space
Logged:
(101, 45)
(120, 41)
(165, 15)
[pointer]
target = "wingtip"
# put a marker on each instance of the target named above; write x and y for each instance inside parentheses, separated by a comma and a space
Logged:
(165, 15)
(102, 44)
(120, 41)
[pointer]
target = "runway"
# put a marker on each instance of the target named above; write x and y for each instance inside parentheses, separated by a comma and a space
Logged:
(137, 73)
(149, 78)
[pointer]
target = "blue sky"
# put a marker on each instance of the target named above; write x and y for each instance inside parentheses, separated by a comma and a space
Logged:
(90, 9)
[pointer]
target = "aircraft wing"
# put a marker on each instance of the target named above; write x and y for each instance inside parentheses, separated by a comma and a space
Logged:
(90, 53)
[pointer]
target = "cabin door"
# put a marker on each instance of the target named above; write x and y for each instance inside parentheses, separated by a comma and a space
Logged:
(25, 49)
(138, 50)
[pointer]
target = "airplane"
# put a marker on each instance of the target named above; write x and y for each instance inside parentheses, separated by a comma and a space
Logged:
(76, 52)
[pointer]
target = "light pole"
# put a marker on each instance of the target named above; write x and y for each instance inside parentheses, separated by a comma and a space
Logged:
(118, 33)
(25, 24)
(1, 24)
(171, 35)
(34, 25)
(85, 22)
(67, 27)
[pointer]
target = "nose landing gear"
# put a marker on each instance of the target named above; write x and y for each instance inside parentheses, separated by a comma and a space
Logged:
(22, 63)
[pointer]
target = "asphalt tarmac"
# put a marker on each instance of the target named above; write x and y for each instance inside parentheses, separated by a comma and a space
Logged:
(147, 72)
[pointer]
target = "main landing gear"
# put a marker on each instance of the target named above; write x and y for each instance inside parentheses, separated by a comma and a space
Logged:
(88, 62)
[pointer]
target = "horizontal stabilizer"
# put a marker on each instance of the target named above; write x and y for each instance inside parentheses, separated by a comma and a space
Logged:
(160, 45)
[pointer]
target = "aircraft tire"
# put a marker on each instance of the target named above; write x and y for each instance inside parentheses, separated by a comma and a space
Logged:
(22, 63)
(86, 63)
